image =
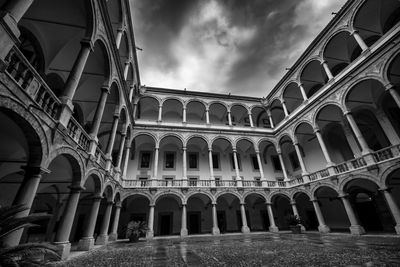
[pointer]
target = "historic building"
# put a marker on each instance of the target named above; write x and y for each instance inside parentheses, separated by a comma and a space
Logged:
(83, 141)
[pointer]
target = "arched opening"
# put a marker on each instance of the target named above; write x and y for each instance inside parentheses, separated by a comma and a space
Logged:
(282, 209)
(390, 107)
(337, 134)
(290, 158)
(168, 213)
(224, 168)
(375, 18)
(228, 213)
(240, 116)
(341, 50)
(141, 160)
(114, 8)
(170, 160)
(218, 114)
(257, 210)
(260, 117)
(172, 111)
(393, 183)
(313, 77)
(369, 205)
(306, 211)
(332, 209)
(197, 160)
(292, 96)
(310, 148)
(277, 112)
(134, 208)
(147, 109)
(271, 164)
(103, 225)
(249, 168)
(195, 112)
(199, 214)
(123, 50)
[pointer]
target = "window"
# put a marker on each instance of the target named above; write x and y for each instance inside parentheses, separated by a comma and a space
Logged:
(169, 162)
(238, 160)
(143, 181)
(145, 159)
(276, 163)
(217, 181)
(255, 162)
(193, 160)
(215, 160)
(294, 160)
(247, 122)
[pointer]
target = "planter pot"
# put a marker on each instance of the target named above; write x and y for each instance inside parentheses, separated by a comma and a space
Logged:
(134, 238)
(296, 229)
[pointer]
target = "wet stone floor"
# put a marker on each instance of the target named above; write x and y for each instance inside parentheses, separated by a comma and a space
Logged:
(264, 249)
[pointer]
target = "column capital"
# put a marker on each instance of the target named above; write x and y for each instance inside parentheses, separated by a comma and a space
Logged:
(160, 105)
(295, 142)
(343, 195)
(249, 113)
(156, 147)
(76, 188)
(116, 115)
(313, 199)
(110, 202)
(268, 203)
(385, 188)
(152, 205)
(324, 62)
(34, 170)
(316, 129)
(184, 148)
(105, 89)
(97, 197)
(210, 149)
(118, 205)
(293, 202)
(257, 151)
(347, 112)
(234, 149)
(87, 43)
(353, 32)
(389, 86)
(184, 107)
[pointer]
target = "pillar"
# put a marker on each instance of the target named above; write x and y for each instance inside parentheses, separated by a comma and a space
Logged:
(296, 213)
(251, 120)
(102, 239)
(394, 94)
(359, 40)
(111, 140)
(322, 227)
(121, 150)
(126, 69)
(229, 118)
(283, 166)
(299, 156)
(272, 226)
(114, 227)
(285, 108)
(17, 8)
(303, 92)
(184, 163)
(235, 160)
(126, 161)
(394, 209)
(271, 121)
(184, 231)
(327, 70)
(364, 146)
(215, 229)
(207, 116)
(87, 240)
(260, 165)
(150, 225)
(118, 39)
(245, 228)
(159, 113)
(387, 127)
(210, 161)
(184, 115)
(321, 142)
(25, 195)
(98, 115)
(355, 227)
(64, 229)
(155, 173)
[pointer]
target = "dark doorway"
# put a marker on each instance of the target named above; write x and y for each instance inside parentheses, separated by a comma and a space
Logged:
(221, 218)
(165, 223)
(138, 217)
(368, 216)
(79, 227)
(265, 219)
(311, 222)
(239, 219)
(194, 224)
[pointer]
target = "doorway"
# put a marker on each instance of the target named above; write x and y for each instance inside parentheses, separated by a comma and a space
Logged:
(194, 225)
(221, 218)
(165, 223)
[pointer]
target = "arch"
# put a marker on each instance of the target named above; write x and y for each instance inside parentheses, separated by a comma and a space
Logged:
(108, 191)
(218, 102)
(178, 136)
(237, 140)
(313, 76)
(278, 193)
(128, 194)
(157, 99)
(196, 100)
(299, 123)
(160, 195)
(298, 191)
(163, 100)
(234, 194)
(230, 141)
(203, 137)
(249, 193)
(240, 105)
(319, 109)
(354, 84)
(266, 139)
(388, 77)
(94, 172)
(151, 135)
(117, 197)
(292, 96)
(347, 180)
(283, 136)
(321, 185)
(205, 193)
(386, 173)
(103, 44)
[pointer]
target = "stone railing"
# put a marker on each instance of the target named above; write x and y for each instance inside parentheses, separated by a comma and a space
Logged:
(24, 74)
(100, 158)
(77, 133)
(386, 153)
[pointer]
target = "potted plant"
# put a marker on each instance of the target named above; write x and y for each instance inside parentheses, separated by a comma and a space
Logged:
(294, 222)
(134, 229)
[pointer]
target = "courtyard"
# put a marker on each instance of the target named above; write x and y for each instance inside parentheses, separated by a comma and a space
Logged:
(256, 249)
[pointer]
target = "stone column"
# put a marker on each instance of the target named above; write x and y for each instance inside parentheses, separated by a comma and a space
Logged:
(271, 121)
(303, 92)
(327, 70)
(155, 166)
(283, 166)
(387, 127)
(210, 161)
(64, 229)
(207, 116)
(87, 240)
(251, 120)
(118, 39)
(260, 165)
(184, 115)
(393, 93)
(184, 231)
(296, 213)
(272, 226)
(150, 232)
(321, 142)
(17, 8)
(102, 239)
(394, 209)
(25, 195)
(126, 160)
(285, 108)
(114, 227)
(121, 150)
(364, 146)
(111, 141)
(245, 228)
(126, 70)
(215, 229)
(229, 118)
(235, 160)
(299, 156)
(159, 113)
(322, 227)
(184, 163)
(359, 40)
(355, 227)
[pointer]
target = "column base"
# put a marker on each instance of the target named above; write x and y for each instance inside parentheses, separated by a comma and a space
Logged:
(64, 248)
(113, 237)
(397, 228)
(273, 229)
(102, 240)
(324, 229)
(303, 229)
(215, 231)
(86, 243)
(149, 235)
(245, 229)
(184, 232)
(357, 230)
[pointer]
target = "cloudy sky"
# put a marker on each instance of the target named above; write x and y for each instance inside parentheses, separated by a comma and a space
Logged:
(224, 46)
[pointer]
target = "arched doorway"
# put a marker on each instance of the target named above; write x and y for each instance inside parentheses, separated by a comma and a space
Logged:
(199, 214)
